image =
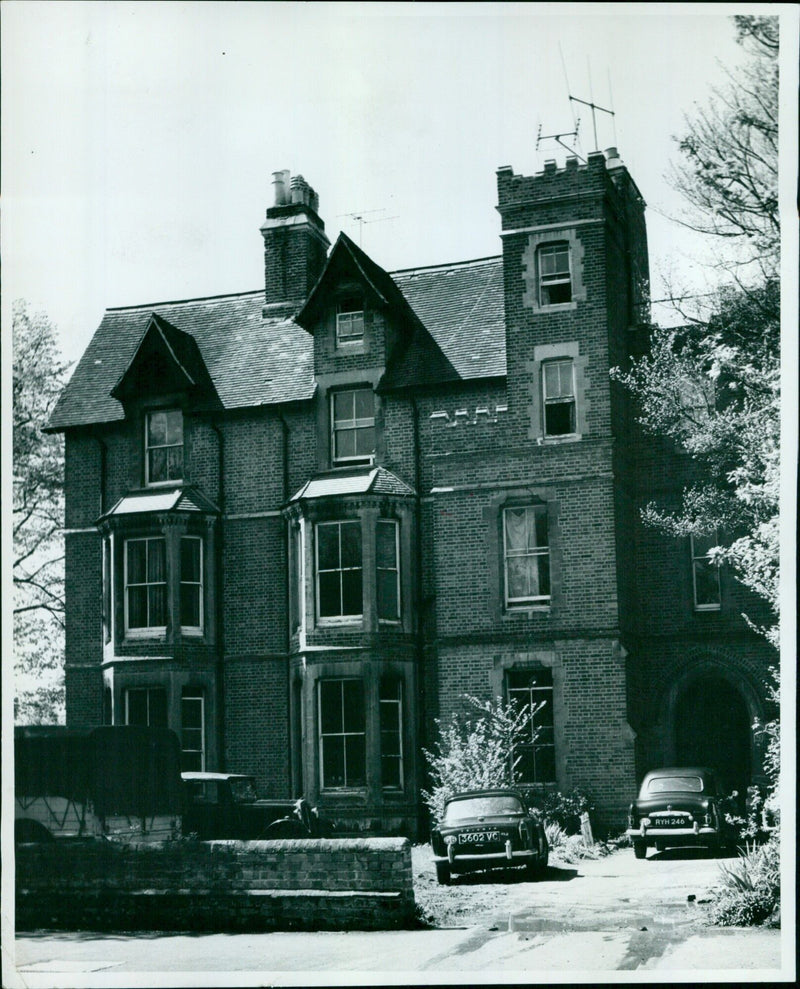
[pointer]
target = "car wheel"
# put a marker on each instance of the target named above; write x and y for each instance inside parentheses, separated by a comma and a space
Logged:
(639, 849)
(443, 873)
(535, 869)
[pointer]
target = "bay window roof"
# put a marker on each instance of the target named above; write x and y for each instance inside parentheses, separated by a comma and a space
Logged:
(179, 499)
(364, 480)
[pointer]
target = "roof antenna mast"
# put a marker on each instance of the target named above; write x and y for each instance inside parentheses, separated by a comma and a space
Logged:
(360, 219)
(593, 106)
(557, 138)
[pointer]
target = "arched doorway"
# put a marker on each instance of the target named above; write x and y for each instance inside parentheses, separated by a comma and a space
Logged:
(712, 728)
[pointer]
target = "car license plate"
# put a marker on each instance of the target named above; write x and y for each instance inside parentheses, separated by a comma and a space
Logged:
(479, 837)
(668, 822)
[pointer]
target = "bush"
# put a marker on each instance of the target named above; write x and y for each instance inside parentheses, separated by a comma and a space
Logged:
(476, 751)
(565, 809)
(750, 889)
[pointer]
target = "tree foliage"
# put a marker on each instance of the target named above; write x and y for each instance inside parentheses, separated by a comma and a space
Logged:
(728, 172)
(38, 511)
(712, 386)
(714, 389)
(475, 749)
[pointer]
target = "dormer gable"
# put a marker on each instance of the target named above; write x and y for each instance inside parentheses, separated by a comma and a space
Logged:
(167, 361)
(350, 273)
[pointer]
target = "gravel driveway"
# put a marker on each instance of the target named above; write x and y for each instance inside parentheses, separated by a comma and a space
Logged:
(667, 890)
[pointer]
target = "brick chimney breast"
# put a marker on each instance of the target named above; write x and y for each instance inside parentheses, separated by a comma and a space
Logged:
(295, 244)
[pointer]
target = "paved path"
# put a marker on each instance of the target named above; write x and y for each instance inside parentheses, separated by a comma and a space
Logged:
(613, 915)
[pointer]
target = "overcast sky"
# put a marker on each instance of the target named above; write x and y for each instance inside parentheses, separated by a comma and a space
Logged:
(139, 139)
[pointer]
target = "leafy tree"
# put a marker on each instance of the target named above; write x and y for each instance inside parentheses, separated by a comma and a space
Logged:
(712, 386)
(476, 751)
(728, 173)
(38, 510)
(714, 389)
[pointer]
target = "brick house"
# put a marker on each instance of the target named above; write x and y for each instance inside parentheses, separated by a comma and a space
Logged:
(302, 522)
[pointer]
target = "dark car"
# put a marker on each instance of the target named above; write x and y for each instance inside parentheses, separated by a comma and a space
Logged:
(226, 805)
(488, 829)
(680, 806)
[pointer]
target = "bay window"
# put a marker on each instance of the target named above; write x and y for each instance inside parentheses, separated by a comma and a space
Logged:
(342, 734)
(339, 570)
(391, 720)
(192, 584)
(145, 586)
(388, 570)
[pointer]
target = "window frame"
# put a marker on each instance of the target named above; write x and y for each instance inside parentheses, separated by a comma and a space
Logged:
(144, 631)
(384, 701)
(541, 600)
(199, 584)
(531, 690)
(354, 424)
(554, 278)
(396, 570)
(697, 558)
(341, 619)
(149, 482)
(343, 734)
(147, 691)
(346, 314)
(194, 694)
(572, 399)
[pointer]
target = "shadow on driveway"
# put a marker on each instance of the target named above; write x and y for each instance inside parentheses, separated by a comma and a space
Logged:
(513, 877)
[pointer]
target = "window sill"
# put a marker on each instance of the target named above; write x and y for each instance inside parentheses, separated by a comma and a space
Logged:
(192, 633)
(707, 609)
(136, 635)
(350, 621)
(176, 483)
(556, 440)
(559, 307)
(527, 609)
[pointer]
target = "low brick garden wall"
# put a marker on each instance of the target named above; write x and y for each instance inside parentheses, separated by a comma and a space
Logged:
(309, 884)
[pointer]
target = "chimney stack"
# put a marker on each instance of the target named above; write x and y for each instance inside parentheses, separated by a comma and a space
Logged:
(295, 244)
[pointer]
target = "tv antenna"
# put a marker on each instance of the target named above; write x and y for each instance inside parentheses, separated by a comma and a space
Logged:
(593, 107)
(557, 138)
(360, 218)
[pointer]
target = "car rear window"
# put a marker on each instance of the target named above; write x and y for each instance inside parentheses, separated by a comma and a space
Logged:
(462, 810)
(243, 791)
(675, 784)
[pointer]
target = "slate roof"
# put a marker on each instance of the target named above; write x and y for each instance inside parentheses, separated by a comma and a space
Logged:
(463, 308)
(359, 480)
(255, 360)
(177, 499)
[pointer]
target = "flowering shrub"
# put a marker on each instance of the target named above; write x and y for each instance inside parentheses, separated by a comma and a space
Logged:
(475, 751)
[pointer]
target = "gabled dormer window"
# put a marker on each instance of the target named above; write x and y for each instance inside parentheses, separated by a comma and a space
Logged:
(350, 320)
(164, 447)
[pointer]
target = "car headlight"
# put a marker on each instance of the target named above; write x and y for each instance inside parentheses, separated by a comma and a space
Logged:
(450, 840)
(646, 822)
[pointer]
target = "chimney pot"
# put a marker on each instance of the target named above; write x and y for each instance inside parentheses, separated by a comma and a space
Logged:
(280, 181)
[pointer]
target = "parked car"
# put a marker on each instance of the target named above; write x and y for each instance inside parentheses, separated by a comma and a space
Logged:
(116, 782)
(680, 806)
(488, 829)
(226, 805)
